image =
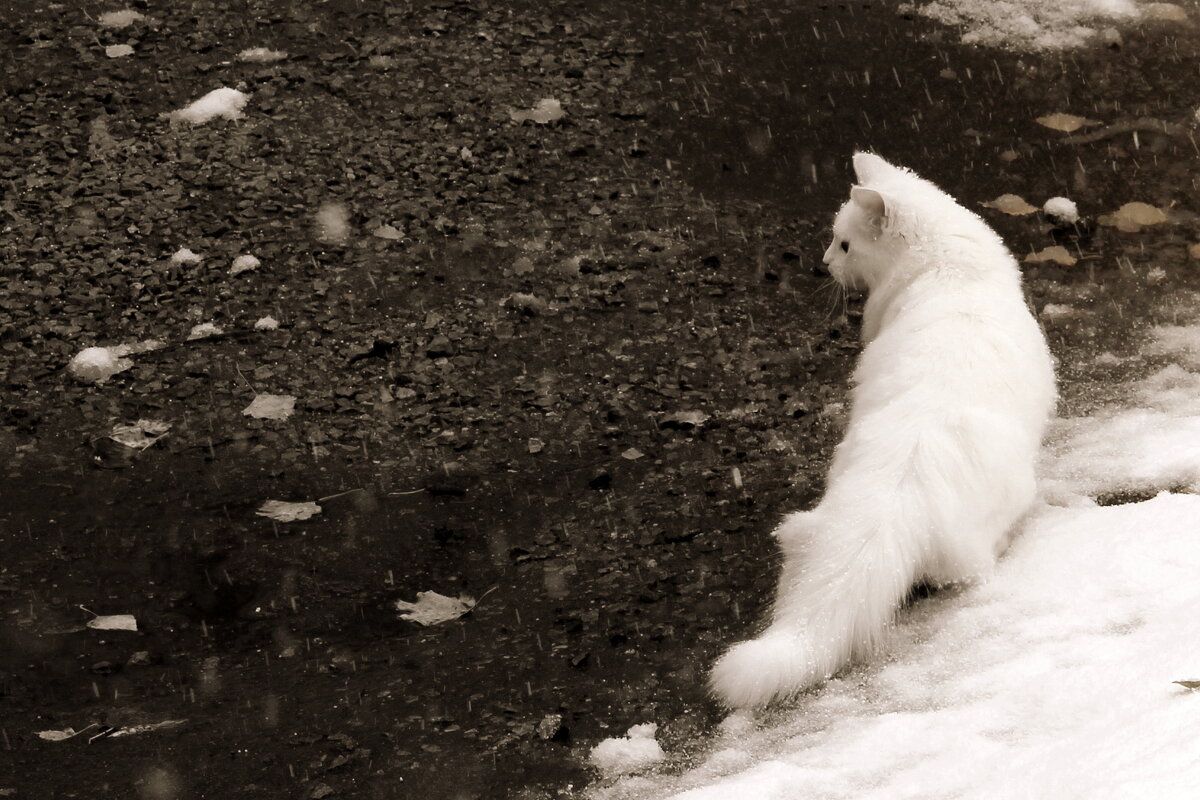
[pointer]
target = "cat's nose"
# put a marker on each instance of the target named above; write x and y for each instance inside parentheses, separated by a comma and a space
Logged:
(821, 270)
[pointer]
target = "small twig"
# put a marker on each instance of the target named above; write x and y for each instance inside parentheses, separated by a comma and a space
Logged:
(339, 494)
(243, 377)
(399, 494)
(494, 588)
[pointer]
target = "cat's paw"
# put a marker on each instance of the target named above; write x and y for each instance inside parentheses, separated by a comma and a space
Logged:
(753, 673)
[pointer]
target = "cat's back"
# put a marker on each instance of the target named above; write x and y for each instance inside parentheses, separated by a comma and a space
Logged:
(959, 335)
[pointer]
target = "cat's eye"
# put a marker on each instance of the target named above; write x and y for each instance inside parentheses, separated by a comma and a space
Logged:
(845, 247)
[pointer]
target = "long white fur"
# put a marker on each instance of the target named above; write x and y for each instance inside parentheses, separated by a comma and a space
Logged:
(950, 400)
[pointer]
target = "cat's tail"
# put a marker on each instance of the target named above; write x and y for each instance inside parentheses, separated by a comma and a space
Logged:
(844, 575)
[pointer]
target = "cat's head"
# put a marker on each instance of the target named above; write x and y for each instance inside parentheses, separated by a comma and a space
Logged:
(872, 225)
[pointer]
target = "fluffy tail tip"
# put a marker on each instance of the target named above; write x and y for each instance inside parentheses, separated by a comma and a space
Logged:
(753, 673)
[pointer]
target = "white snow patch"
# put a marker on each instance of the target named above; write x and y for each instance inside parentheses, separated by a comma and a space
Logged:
(185, 256)
(262, 55)
(1053, 311)
(1055, 678)
(118, 50)
(1062, 210)
(267, 323)
(97, 364)
(332, 223)
(223, 102)
(1028, 25)
(119, 19)
(633, 752)
(244, 263)
(204, 330)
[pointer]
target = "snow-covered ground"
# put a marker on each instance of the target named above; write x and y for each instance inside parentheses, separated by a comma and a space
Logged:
(1042, 25)
(1056, 678)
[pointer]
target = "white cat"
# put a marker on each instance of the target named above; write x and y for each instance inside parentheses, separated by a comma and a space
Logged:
(951, 395)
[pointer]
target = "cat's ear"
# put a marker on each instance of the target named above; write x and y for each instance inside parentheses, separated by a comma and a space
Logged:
(871, 202)
(868, 167)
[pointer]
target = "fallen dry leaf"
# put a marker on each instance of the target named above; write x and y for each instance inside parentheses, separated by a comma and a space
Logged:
(283, 511)
(390, 232)
(118, 50)
(546, 111)
(1194, 251)
(432, 608)
(1056, 254)
(61, 735)
(114, 622)
(140, 434)
(271, 406)
(1010, 204)
(1132, 217)
(1067, 123)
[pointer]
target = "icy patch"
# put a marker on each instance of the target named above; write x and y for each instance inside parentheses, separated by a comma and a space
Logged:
(1026, 24)
(1054, 678)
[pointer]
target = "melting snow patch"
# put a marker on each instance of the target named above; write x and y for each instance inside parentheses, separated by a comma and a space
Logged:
(97, 364)
(332, 223)
(262, 55)
(224, 102)
(185, 256)
(204, 330)
(633, 752)
(244, 263)
(1025, 24)
(119, 19)
(1061, 210)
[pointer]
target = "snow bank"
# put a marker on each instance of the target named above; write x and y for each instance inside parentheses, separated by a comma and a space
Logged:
(1053, 679)
(1027, 24)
